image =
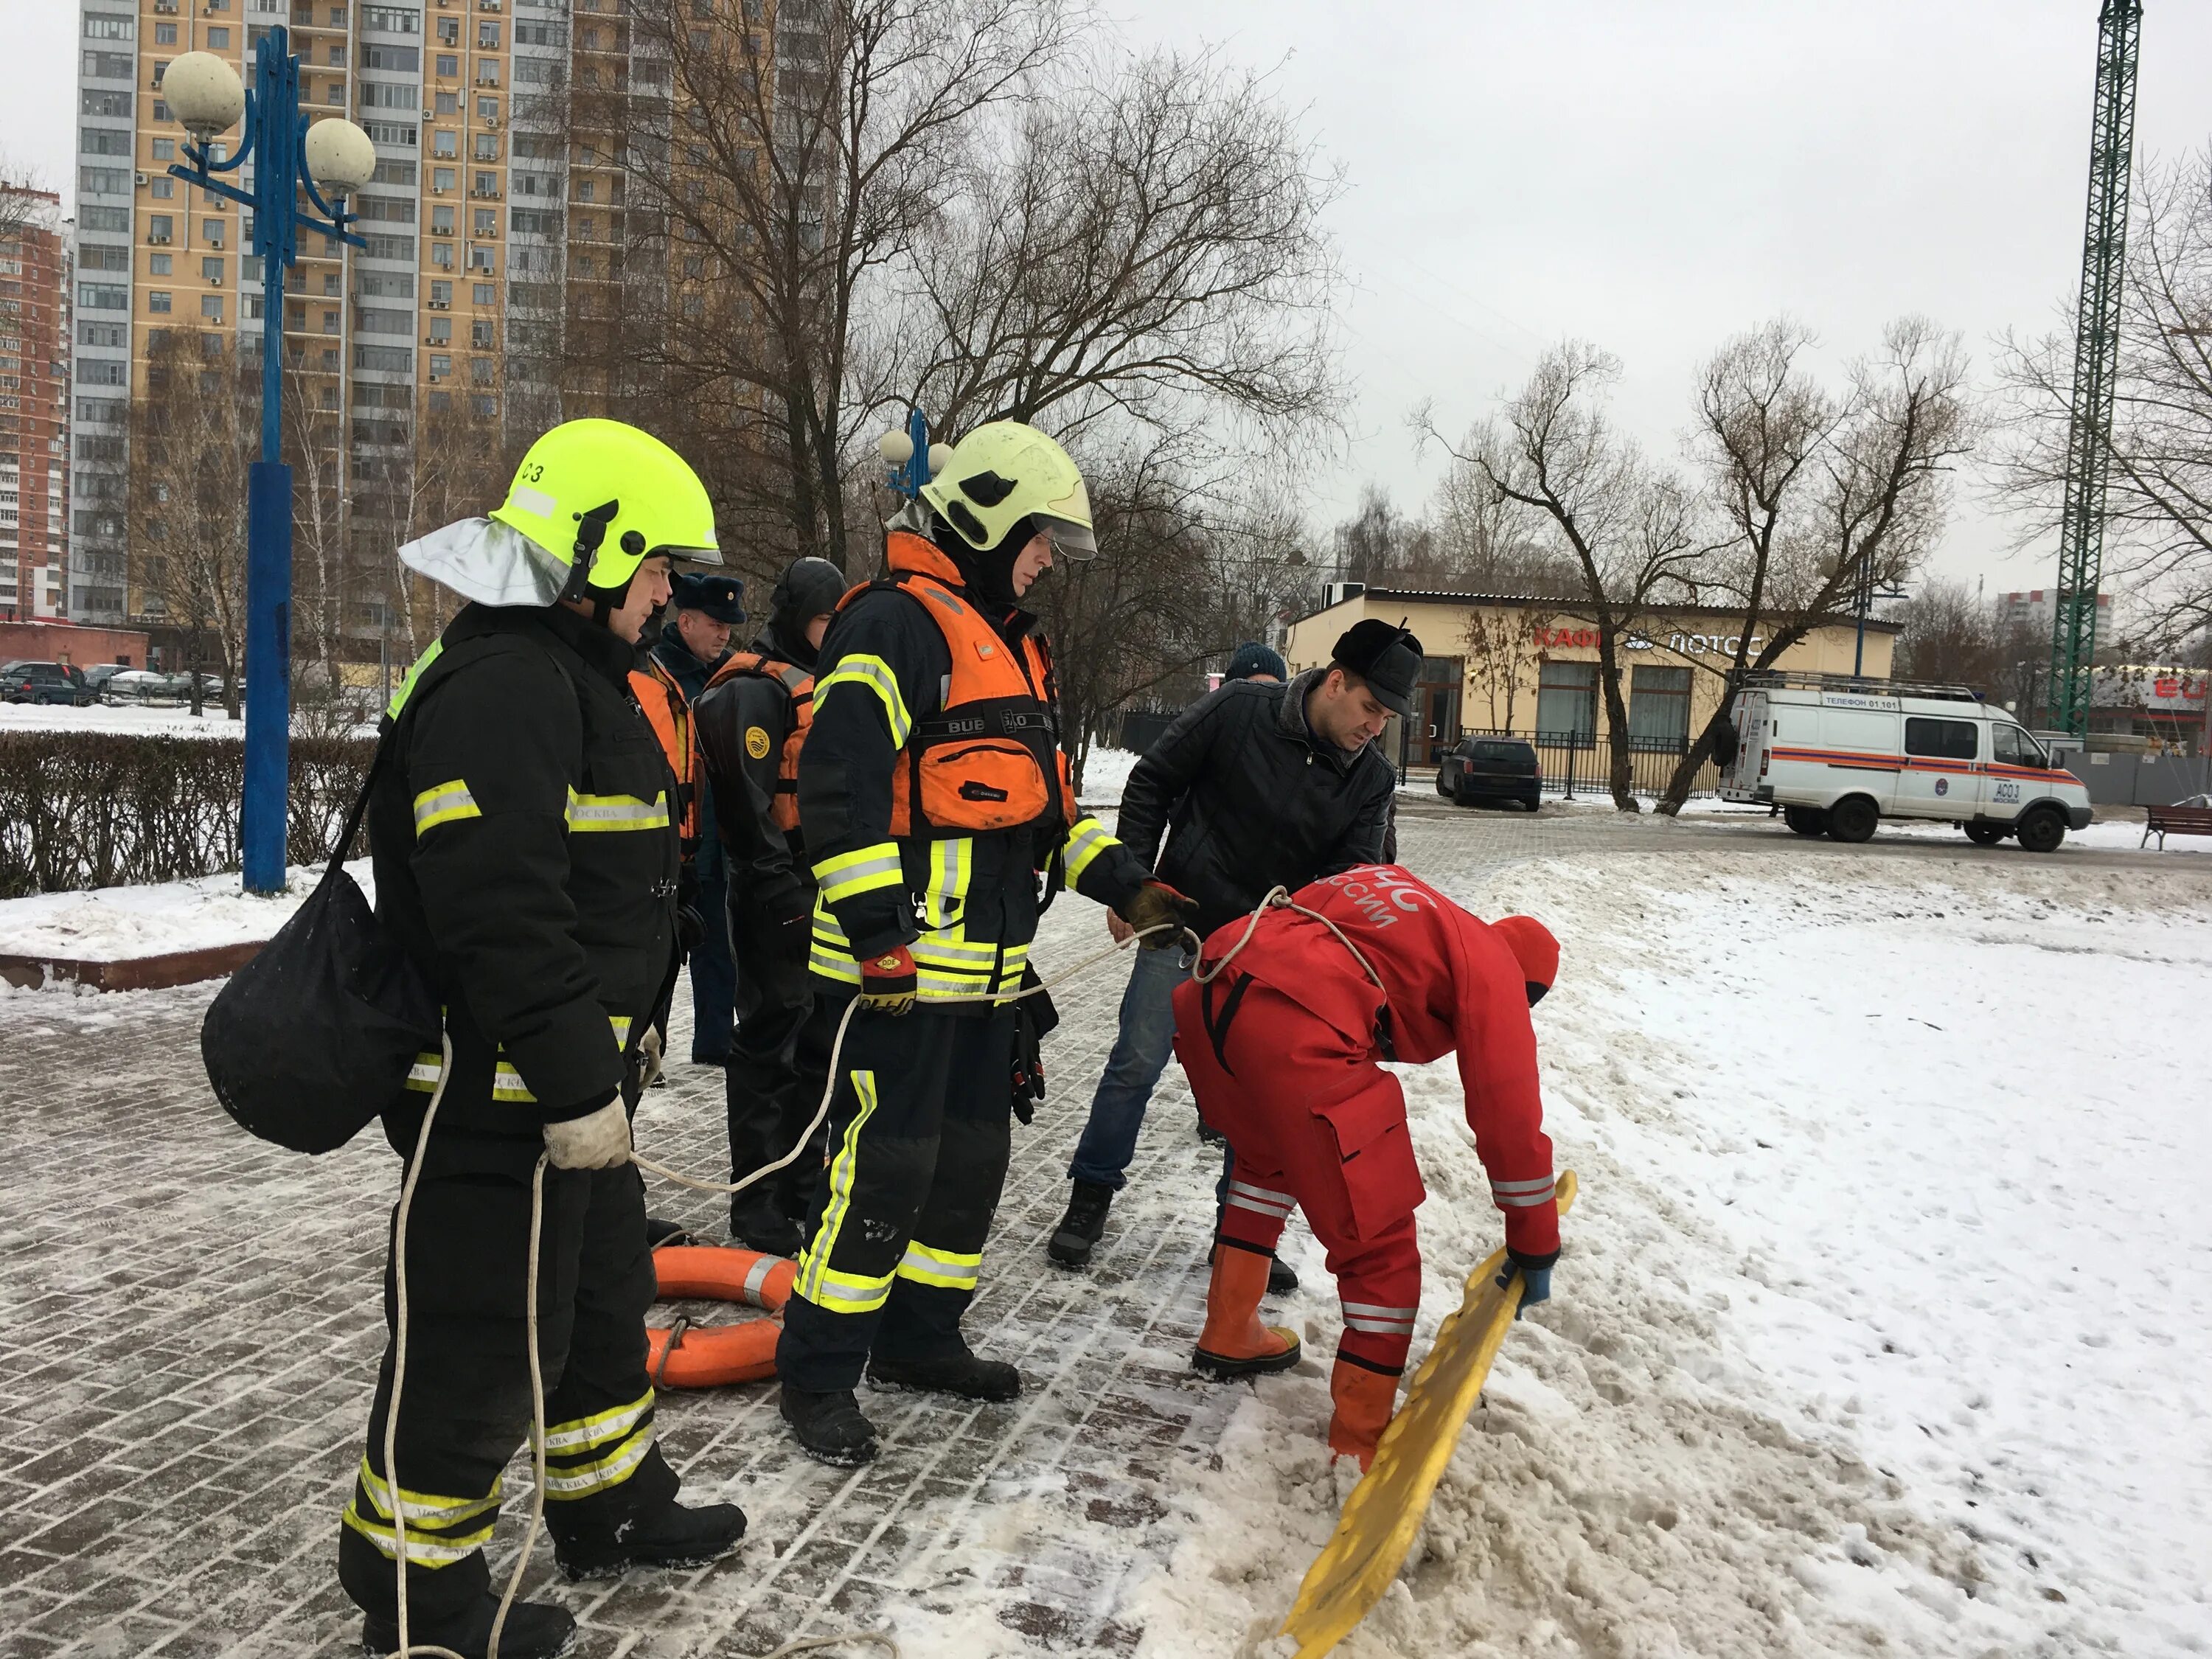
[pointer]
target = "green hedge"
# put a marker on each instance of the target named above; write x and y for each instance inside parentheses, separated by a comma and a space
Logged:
(101, 809)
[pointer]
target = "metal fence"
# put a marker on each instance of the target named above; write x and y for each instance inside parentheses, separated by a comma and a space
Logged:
(1580, 764)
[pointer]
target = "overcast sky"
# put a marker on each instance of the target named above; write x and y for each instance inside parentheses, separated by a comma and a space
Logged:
(1650, 174)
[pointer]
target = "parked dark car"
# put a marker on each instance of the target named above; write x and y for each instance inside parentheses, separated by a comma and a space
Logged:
(45, 681)
(1483, 769)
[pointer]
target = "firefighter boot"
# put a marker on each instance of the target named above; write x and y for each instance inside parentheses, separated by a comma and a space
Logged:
(674, 1537)
(962, 1374)
(532, 1631)
(1234, 1342)
(829, 1426)
(1365, 1400)
(757, 1221)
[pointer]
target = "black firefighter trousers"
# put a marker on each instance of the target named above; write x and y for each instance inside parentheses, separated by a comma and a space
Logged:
(465, 1404)
(920, 1134)
(778, 1065)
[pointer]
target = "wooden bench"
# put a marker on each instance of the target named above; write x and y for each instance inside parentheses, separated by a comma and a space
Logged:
(2164, 821)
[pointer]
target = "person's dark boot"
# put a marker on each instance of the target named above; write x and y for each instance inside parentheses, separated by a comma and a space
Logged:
(1282, 1277)
(532, 1631)
(659, 1232)
(962, 1374)
(677, 1536)
(758, 1222)
(1084, 1224)
(829, 1426)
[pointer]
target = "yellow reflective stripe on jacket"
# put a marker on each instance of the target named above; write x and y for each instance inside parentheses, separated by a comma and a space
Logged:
(424, 1509)
(506, 1082)
(1086, 839)
(814, 1274)
(951, 862)
(583, 1433)
(407, 686)
(950, 1270)
(873, 673)
(605, 812)
(443, 804)
(867, 871)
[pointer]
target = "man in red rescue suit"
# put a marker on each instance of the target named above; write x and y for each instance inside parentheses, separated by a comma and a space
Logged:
(1283, 1049)
(751, 724)
(526, 863)
(934, 792)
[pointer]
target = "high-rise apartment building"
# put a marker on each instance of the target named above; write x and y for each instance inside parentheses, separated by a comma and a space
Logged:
(35, 353)
(2033, 612)
(483, 213)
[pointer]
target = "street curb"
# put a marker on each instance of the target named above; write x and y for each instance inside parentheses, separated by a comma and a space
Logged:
(130, 973)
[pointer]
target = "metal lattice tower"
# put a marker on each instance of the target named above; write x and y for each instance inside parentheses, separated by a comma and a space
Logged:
(2096, 356)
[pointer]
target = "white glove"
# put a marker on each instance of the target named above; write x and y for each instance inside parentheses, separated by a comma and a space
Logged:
(598, 1140)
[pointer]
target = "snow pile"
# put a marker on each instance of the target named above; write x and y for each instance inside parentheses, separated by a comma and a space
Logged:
(136, 720)
(116, 924)
(1105, 771)
(1884, 1321)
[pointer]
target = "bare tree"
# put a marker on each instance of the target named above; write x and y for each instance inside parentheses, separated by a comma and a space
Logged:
(1502, 655)
(1140, 249)
(1819, 496)
(195, 432)
(2158, 511)
(779, 188)
(1628, 528)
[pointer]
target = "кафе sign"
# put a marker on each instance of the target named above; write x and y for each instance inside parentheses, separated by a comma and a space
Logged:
(1683, 645)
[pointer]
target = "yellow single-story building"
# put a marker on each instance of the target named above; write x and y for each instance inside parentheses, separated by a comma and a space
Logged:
(1502, 663)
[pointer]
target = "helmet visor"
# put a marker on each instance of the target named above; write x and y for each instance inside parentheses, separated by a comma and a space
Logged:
(700, 555)
(1070, 540)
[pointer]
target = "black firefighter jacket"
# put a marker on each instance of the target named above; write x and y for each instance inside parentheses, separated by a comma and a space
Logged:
(771, 885)
(526, 859)
(1249, 798)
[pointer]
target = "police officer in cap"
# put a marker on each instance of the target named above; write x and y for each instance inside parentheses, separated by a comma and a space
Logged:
(752, 726)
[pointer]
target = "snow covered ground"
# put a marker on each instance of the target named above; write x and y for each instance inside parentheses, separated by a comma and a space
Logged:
(113, 923)
(1886, 1312)
(139, 721)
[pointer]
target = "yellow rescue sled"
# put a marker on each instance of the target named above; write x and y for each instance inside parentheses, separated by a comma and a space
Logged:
(1384, 1511)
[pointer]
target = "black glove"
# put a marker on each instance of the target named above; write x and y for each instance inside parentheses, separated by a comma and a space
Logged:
(1153, 904)
(1034, 1019)
(691, 929)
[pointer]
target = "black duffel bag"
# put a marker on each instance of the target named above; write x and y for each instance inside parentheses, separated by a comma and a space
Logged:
(314, 1036)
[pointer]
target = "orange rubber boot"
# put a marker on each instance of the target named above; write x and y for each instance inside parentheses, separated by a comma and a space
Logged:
(1364, 1402)
(1234, 1342)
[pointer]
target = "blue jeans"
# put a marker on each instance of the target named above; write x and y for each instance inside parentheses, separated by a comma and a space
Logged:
(1140, 1054)
(713, 976)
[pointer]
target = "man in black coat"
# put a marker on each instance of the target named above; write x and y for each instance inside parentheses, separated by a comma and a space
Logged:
(1257, 786)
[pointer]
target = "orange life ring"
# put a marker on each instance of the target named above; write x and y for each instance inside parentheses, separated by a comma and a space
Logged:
(694, 1357)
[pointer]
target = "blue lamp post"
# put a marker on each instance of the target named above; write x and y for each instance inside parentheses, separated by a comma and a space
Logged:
(913, 459)
(333, 155)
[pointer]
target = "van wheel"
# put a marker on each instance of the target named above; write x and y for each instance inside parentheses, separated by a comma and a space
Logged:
(1986, 835)
(1806, 820)
(1853, 818)
(2042, 831)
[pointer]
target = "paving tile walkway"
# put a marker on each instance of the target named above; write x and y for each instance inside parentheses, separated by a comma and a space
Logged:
(189, 1327)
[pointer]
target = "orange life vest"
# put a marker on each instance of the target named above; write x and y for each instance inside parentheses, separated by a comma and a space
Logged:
(798, 687)
(669, 713)
(990, 758)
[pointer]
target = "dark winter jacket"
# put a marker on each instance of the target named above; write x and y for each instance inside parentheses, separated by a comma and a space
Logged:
(526, 860)
(769, 881)
(1249, 798)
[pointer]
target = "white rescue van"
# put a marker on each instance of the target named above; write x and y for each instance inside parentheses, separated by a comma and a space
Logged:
(1839, 754)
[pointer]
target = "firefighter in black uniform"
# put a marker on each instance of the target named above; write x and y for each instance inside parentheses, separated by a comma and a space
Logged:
(751, 725)
(934, 792)
(526, 859)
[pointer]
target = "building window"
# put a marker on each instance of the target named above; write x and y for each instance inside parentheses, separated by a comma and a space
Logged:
(441, 220)
(211, 231)
(392, 20)
(442, 255)
(210, 271)
(481, 259)
(485, 222)
(441, 293)
(441, 365)
(448, 103)
(442, 331)
(164, 149)
(483, 294)
(487, 35)
(102, 296)
(218, 39)
(163, 189)
(445, 146)
(487, 184)
(441, 179)
(1659, 709)
(1567, 703)
(481, 332)
(484, 408)
(211, 307)
(158, 264)
(103, 141)
(487, 109)
(157, 300)
(449, 66)
(487, 147)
